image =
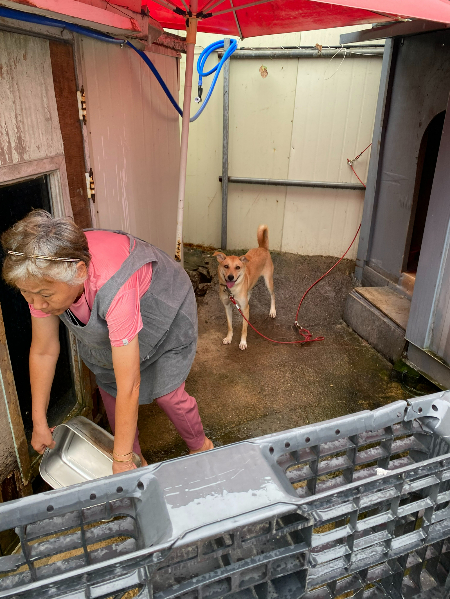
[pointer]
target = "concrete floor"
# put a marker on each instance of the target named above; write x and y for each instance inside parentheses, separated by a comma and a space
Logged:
(269, 387)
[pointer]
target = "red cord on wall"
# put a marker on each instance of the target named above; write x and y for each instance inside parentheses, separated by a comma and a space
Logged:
(307, 336)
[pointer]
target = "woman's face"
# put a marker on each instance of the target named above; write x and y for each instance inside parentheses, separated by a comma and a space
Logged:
(49, 296)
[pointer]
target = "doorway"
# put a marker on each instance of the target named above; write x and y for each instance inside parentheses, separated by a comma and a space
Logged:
(16, 201)
(426, 166)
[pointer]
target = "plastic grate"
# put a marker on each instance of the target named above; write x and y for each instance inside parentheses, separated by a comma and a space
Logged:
(367, 517)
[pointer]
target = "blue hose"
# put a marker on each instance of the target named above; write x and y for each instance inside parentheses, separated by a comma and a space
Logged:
(201, 65)
(160, 80)
(40, 20)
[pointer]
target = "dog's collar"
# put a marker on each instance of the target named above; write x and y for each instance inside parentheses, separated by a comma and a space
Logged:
(230, 296)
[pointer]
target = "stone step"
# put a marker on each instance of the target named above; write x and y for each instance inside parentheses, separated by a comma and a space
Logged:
(380, 316)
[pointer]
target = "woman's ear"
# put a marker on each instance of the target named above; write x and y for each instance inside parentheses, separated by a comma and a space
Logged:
(82, 270)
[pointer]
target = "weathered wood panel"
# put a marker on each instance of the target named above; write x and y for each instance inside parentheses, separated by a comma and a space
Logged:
(13, 444)
(29, 126)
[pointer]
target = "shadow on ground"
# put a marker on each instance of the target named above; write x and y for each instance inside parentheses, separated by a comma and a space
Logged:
(269, 387)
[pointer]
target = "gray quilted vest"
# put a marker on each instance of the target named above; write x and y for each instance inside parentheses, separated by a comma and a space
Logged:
(168, 340)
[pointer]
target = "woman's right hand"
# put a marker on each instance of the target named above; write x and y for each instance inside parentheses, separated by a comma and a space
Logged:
(42, 438)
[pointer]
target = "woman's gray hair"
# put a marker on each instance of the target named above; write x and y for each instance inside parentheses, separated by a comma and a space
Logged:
(60, 242)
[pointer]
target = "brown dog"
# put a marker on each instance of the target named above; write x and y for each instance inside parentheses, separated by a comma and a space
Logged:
(239, 274)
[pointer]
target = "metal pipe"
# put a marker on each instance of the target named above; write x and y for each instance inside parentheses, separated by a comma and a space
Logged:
(191, 35)
(225, 137)
(294, 183)
(309, 53)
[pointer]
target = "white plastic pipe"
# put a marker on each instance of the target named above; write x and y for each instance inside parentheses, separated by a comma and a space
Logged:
(191, 31)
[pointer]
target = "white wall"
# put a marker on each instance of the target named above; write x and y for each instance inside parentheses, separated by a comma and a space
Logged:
(300, 122)
(134, 141)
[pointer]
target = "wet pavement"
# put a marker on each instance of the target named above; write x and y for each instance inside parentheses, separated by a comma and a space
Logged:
(270, 387)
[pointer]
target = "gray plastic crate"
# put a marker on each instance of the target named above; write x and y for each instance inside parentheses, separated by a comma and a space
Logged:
(355, 507)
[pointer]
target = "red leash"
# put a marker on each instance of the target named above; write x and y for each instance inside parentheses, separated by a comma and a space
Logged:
(307, 336)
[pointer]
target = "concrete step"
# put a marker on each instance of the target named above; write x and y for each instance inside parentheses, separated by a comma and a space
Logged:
(380, 316)
(407, 281)
(404, 286)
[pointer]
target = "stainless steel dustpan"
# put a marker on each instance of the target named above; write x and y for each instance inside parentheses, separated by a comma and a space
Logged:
(83, 451)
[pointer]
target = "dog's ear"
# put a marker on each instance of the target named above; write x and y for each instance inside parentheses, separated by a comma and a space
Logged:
(244, 259)
(220, 256)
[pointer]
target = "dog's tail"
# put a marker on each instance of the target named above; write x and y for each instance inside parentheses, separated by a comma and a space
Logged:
(263, 236)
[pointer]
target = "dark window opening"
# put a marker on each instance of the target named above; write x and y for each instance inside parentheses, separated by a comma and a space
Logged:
(426, 166)
(16, 201)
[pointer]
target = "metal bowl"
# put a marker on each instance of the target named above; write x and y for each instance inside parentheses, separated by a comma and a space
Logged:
(83, 451)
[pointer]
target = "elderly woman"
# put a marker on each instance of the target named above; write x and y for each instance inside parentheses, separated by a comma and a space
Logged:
(132, 310)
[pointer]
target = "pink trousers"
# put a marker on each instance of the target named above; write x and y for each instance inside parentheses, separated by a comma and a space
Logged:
(179, 407)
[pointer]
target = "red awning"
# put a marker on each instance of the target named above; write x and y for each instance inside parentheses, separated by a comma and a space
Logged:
(284, 16)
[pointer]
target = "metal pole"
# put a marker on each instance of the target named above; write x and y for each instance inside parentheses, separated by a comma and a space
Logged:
(307, 53)
(226, 114)
(191, 34)
(293, 183)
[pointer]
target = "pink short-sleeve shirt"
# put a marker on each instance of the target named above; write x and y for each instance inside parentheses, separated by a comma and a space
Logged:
(108, 252)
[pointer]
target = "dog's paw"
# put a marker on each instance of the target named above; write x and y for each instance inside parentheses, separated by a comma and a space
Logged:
(227, 340)
(273, 313)
(243, 345)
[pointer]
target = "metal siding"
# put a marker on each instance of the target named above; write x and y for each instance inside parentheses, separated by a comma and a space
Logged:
(333, 120)
(422, 65)
(261, 113)
(429, 319)
(134, 138)
(321, 222)
(294, 124)
(29, 125)
(250, 206)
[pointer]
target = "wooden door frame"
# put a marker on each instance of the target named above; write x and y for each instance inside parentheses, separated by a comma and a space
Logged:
(55, 170)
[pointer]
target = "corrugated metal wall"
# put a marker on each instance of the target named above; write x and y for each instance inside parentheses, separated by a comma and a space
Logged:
(134, 141)
(302, 121)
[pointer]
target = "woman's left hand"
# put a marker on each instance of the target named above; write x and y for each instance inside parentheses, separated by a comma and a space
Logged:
(119, 467)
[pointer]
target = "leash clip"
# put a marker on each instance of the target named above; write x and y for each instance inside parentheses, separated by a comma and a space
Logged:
(233, 301)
